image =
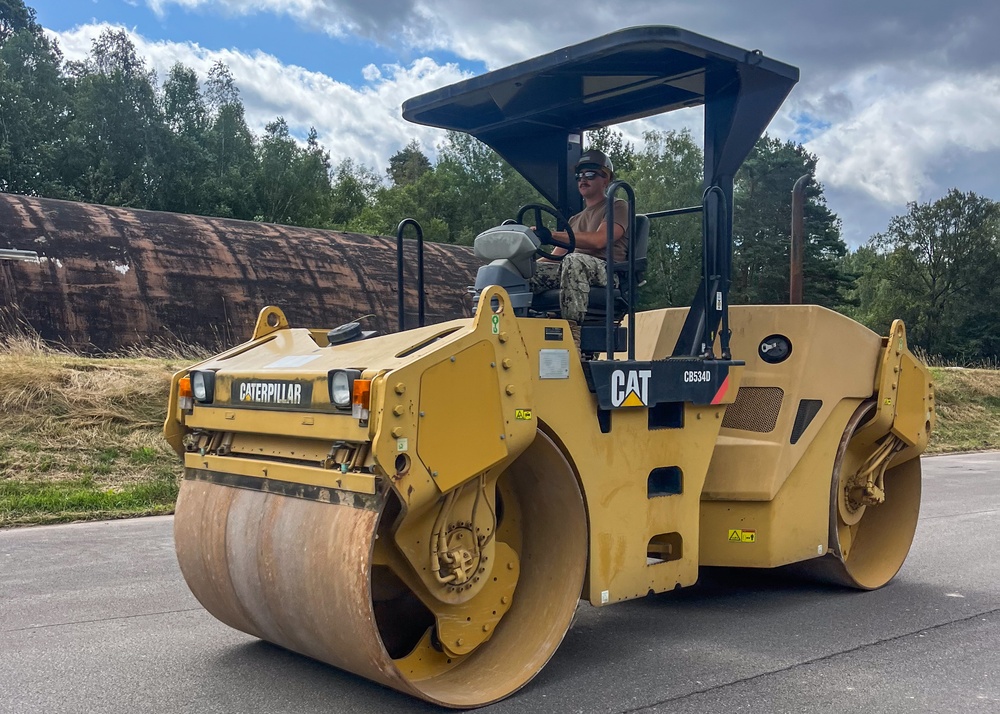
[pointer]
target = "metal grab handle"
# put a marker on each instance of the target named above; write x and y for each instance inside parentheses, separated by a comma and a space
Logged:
(420, 271)
(798, 240)
(715, 272)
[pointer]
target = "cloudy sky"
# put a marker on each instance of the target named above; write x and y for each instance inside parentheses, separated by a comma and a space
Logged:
(900, 100)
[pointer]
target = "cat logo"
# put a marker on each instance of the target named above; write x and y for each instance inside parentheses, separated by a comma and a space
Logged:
(630, 389)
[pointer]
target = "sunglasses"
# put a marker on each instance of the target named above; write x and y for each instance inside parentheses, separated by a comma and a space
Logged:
(589, 175)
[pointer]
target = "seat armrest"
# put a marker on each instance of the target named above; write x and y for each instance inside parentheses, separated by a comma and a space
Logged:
(640, 265)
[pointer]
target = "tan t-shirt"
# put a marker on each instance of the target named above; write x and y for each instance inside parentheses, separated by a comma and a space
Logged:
(590, 219)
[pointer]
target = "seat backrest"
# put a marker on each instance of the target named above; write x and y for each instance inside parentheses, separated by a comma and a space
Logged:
(641, 247)
(641, 244)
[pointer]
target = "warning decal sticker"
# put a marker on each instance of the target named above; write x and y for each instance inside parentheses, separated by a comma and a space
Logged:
(742, 536)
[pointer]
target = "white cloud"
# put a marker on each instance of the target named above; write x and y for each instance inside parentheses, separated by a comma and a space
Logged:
(893, 143)
(851, 32)
(891, 92)
(362, 123)
(378, 21)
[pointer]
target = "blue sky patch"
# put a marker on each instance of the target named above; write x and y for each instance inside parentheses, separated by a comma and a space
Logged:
(807, 127)
(341, 58)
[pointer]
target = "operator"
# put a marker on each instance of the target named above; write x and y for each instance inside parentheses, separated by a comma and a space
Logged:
(577, 272)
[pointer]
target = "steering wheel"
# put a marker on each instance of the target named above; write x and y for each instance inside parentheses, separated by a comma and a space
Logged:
(544, 234)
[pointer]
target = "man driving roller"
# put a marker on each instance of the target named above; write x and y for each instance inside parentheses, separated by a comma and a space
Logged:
(585, 267)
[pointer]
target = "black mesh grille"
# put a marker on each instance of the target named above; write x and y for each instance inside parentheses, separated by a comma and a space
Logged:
(755, 409)
(808, 408)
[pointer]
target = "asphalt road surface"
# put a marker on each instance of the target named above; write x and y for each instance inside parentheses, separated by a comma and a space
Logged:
(96, 618)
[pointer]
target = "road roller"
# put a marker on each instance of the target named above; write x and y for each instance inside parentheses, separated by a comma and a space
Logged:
(428, 508)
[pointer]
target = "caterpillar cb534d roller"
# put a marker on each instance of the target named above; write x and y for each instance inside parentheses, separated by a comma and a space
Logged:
(427, 508)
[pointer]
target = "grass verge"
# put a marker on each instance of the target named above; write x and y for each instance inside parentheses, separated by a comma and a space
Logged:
(38, 502)
(80, 438)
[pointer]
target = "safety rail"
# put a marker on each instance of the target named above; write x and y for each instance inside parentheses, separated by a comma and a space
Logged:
(400, 230)
(715, 266)
(612, 189)
(609, 301)
(674, 212)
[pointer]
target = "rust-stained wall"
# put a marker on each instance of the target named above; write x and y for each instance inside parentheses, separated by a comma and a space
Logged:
(112, 278)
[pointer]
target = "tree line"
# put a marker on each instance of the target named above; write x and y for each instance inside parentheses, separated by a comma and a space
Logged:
(106, 130)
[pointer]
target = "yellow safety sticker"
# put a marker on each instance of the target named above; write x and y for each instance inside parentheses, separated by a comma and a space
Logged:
(742, 536)
(522, 414)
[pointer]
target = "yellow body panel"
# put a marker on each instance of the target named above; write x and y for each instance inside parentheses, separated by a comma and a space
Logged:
(485, 488)
(832, 358)
(460, 430)
(760, 483)
(791, 527)
(613, 469)
(329, 427)
(457, 401)
(289, 473)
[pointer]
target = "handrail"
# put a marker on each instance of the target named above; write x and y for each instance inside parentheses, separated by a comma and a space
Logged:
(609, 301)
(798, 240)
(674, 212)
(707, 268)
(714, 275)
(399, 271)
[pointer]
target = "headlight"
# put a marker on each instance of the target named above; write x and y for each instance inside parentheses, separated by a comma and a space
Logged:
(203, 386)
(341, 384)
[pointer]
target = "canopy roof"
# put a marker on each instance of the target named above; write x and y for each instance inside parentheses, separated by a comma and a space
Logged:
(533, 113)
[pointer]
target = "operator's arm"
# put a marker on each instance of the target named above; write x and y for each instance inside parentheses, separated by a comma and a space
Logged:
(595, 240)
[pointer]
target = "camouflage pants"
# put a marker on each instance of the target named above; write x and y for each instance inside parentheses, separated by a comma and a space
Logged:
(574, 276)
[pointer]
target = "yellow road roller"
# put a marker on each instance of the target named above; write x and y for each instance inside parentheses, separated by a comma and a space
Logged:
(427, 508)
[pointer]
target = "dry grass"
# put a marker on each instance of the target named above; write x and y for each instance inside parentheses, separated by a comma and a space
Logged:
(968, 402)
(991, 362)
(80, 437)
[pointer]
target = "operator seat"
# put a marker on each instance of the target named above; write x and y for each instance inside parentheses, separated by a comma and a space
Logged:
(623, 295)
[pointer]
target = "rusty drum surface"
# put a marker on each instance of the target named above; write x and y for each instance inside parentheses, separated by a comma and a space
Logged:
(304, 574)
(290, 571)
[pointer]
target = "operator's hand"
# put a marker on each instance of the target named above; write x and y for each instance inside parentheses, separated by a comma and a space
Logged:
(556, 250)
